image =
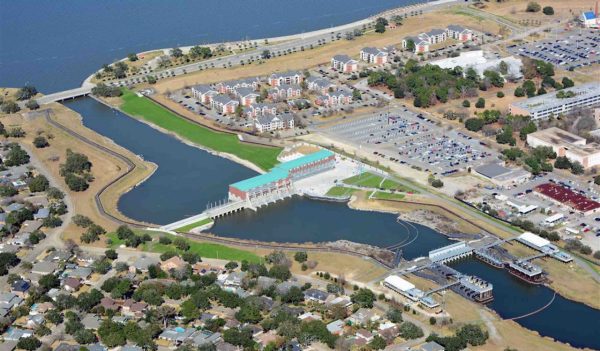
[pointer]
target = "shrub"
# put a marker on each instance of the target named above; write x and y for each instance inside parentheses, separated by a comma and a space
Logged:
(466, 103)
(500, 94)
(32, 104)
(533, 7)
(548, 10)
(40, 142)
(480, 103)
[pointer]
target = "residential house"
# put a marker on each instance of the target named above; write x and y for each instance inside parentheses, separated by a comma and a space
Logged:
(336, 327)
(364, 334)
(224, 104)
(334, 98)
(142, 264)
(374, 56)
(20, 240)
(43, 268)
(41, 214)
(310, 316)
(71, 284)
(261, 109)
(176, 335)
(77, 272)
(8, 301)
(285, 91)
(34, 321)
(343, 301)
(109, 304)
(204, 93)
(289, 77)
(318, 84)
(20, 288)
(231, 86)
(389, 331)
(16, 334)
(421, 45)
(133, 308)
(247, 96)
(284, 287)
(204, 337)
(30, 226)
(430, 346)
(435, 36)
(268, 123)
(234, 279)
(41, 308)
(203, 268)
(316, 295)
(15, 206)
(459, 33)
(174, 262)
(363, 316)
(264, 283)
(344, 63)
(58, 256)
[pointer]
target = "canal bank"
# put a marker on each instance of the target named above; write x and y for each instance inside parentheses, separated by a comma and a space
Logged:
(188, 177)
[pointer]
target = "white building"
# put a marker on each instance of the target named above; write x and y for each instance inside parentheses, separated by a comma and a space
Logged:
(481, 63)
(574, 147)
(268, 123)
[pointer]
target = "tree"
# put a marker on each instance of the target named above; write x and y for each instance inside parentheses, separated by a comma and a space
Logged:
(32, 104)
(104, 90)
(294, 295)
(29, 343)
(316, 329)
(16, 156)
(529, 87)
(394, 315)
(176, 52)
(519, 92)
(474, 124)
(39, 183)
(82, 221)
(111, 254)
(26, 92)
(55, 194)
(466, 103)
(363, 297)
(409, 330)
(280, 272)
(410, 45)
(231, 265)
(7, 260)
(266, 54)
(239, 337)
(577, 168)
(75, 163)
(300, 256)
(378, 343)
(248, 313)
(10, 107)
(529, 128)
(500, 94)
(85, 336)
(132, 57)
(356, 95)
(181, 243)
(548, 10)
(40, 142)
(48, 282)
(480, 103)
(472, 334)
(437, 183)
(8, 190)
(380, 24)
(567, 82)
(533, 7)
(562, 162)
(76, 183)
(512, 153)
(151, 79)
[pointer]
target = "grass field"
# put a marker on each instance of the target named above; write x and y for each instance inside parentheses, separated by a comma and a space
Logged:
(370, 180)
(187, 228)
(263, 157)
(206, 250)
(387, 196)
(340, 191)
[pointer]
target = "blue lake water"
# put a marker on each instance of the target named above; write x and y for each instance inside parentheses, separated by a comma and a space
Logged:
(54, 45)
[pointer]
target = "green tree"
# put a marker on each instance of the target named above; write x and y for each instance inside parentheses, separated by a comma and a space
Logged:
(248, 313)
(528, 129)
(472, 334)
(132, 57)
(176, 52)
(10, 107)
(280, 272)
(378, 343)
(40, 142)
(16, 156)
(39, 183)
(26, 92)
(32, 104)
(577, 168)
(480, 103)
(533, 7)
(512, 153)
(562, 162)
(363, 297)
(394, 315)
(474, 124)
(548, 10)
(567, 82)
(301, 256)
(410, 331)
(519, 92)
(29, 343)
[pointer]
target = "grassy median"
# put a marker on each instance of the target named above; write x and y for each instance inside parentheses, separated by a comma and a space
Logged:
(262, 156)
(370, 180)
(187, 228)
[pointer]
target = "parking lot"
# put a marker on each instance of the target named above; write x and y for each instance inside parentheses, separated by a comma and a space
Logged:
(585, 228)
(410, 138)
(568, 49)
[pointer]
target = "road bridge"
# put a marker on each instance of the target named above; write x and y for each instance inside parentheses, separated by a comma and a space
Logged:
(65, 95)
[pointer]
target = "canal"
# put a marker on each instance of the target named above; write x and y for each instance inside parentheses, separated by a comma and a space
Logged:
(188, 178)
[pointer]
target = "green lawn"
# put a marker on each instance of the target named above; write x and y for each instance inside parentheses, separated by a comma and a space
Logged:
(262, 156)
(340, 191)
(387, 196)
(370, 180)
(206, 250)
(187, 228)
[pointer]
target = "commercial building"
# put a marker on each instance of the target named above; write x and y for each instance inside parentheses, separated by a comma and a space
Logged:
(278, 182)
(502, 176)
(481, 62)
(574, 147)
(559, 102)
(344, 63)
(567, 197)
(450, 252)
(590, 19)
(408, 290)
(538, 243)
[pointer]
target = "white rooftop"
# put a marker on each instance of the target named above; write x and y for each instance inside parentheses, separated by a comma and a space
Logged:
(399, 283)
(534, 239)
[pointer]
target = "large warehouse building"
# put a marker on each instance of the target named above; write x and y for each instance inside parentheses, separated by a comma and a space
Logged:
(574, 147)
(567, 197)
(558, 102)
(278, 182)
